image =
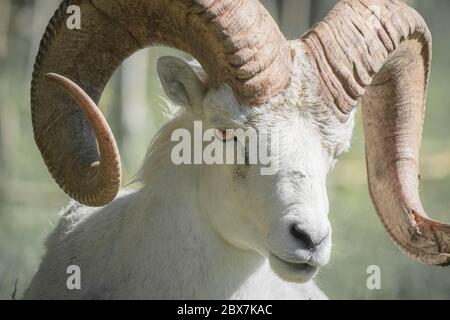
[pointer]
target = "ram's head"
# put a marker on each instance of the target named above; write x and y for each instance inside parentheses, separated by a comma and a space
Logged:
(250, 75)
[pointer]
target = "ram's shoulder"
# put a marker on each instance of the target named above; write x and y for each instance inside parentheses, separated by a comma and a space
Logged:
(74, 215)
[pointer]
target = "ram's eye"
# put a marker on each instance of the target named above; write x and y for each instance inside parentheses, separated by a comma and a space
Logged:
(225, 134)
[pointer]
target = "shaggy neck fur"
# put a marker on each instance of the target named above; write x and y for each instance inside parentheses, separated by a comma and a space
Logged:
(178, 239)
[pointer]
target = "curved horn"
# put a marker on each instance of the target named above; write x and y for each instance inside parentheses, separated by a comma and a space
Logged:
(381, 51)
(237, 42)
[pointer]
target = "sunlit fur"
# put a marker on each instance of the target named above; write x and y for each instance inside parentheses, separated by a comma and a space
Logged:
(221, 231)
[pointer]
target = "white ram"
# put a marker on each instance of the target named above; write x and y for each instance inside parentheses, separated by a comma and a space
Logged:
(227, 231)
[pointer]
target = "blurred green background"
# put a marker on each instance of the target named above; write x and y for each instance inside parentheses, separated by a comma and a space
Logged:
(30, 200)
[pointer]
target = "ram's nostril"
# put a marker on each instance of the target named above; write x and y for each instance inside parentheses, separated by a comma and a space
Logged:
(302, 237)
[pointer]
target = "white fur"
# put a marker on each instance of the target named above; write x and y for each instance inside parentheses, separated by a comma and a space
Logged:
(207, 232)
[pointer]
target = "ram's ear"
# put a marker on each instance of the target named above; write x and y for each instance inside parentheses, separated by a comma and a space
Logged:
(181, 83)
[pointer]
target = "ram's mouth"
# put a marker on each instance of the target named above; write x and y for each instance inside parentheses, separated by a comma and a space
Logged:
(292, 271)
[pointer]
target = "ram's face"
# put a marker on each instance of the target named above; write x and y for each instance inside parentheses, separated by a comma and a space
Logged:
(263, 179)
(270, 194)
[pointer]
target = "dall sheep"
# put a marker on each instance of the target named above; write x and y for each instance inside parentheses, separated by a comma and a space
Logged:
(227, 231)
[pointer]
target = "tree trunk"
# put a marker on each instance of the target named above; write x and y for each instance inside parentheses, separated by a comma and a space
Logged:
(294, 17)
(134, 115)
(319, 8)
(5, 12)
(42, 12)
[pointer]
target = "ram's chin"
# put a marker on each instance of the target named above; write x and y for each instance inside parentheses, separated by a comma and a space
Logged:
(292, 272)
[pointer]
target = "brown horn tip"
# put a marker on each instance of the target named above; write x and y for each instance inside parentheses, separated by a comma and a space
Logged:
(104, 176)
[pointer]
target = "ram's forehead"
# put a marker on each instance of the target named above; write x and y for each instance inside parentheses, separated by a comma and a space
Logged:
(222, 107)
(223, 110)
